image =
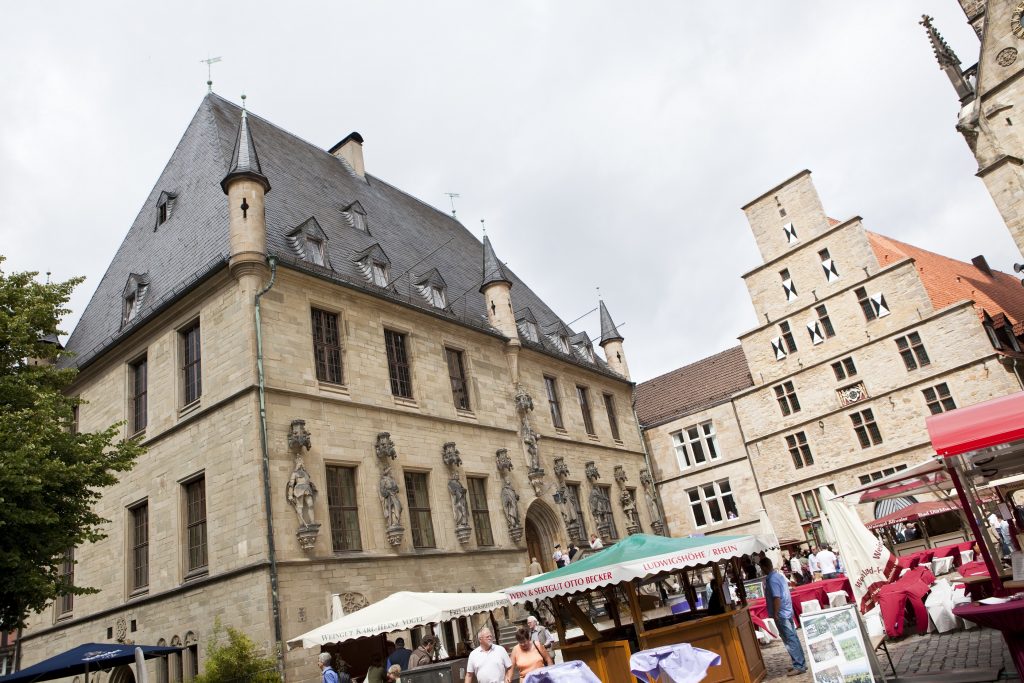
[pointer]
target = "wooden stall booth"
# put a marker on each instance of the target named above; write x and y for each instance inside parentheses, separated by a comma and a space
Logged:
(642, 593)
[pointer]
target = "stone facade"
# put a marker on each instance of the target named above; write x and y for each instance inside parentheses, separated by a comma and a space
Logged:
(990, 94)
(346, 547)
(812, 297)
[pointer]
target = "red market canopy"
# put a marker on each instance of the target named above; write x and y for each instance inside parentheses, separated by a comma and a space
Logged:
(982, 425)
(924, 477)
(914, 512)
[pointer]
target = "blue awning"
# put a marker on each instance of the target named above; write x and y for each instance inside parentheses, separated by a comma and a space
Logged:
(87, 657)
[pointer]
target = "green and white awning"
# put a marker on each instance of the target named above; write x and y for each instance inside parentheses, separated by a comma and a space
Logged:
(636, 557)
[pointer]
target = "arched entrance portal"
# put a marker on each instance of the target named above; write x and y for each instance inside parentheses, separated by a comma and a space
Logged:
(543, 531)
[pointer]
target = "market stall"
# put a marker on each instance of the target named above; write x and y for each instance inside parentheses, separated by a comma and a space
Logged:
(617, 576)
(400, 611)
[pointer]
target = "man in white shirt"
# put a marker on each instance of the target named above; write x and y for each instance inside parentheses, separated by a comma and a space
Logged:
(826, 563)
(489, 662)
(812, 564)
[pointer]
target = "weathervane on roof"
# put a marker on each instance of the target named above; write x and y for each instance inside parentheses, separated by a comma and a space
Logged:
(452, 196)
(209, 62)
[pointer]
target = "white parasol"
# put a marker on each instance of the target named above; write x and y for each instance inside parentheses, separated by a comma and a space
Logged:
(767, 531)
(867, 562)
(398, 612)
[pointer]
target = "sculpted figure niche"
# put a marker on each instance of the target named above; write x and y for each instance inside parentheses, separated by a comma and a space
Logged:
(509, 496)
(301, 492)
(390, 500)
(456, 491)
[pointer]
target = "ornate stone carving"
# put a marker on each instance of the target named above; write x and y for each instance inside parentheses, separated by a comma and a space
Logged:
(301, 492)
(390, 500)
(1006, 56)
(561, 469)
(601, 509)
(385, 447)
(620, 476)
(629, 512)
(450, 455)
(457, 492)
(591, 469)
(524, 402)
(530, 440)
(352, 602)
(647, 481)
(509, 497)
(567, 503)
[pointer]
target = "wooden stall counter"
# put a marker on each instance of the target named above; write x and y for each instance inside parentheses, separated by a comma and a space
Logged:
(730, 635)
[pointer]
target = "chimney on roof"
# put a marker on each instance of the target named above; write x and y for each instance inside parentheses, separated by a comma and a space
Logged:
(351, 150)
(981, 264)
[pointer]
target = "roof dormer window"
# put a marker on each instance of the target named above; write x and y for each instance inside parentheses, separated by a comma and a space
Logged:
(164, 207)
(380, 274)
(132, 297)
(309, 243)
(587, 351)
(528, 329)
(433, 288)
(355, 214)
(562, 342)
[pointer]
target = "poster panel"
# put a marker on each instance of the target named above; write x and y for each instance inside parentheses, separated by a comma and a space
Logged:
(837, 650)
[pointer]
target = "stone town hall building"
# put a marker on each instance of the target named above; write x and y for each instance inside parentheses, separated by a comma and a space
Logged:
(380, 405)
(859, 338)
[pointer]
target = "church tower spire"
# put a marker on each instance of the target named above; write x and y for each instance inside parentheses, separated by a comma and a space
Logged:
(611, 342)
(948, 61)
(246, 187)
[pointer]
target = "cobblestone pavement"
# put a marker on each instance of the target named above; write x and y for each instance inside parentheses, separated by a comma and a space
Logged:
(979, 647)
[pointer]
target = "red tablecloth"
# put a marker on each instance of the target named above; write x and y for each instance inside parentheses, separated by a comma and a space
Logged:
(909, 589)
(976, 568)
(1008, 617)
(816, 590)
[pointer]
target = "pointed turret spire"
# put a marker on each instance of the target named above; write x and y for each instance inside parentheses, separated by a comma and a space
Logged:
(494, 271)
(245, 163)
(608, 330)
(948, 61)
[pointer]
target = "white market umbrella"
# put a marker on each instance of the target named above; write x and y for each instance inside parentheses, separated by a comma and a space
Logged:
(399, 612)
(867, 562)
(767, 531)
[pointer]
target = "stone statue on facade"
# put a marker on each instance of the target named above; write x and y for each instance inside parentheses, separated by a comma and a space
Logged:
(387, 488)
(460, 509)
(509, 497)
(601, 510)
(391, 502)
(301, 492)
(629, 512)
(567, 503)
(647, 481)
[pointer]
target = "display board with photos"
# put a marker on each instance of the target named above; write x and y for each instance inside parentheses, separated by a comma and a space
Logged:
(837, 650)
(754, 588)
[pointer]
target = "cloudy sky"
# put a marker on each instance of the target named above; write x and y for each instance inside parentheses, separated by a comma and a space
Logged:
(604, 149)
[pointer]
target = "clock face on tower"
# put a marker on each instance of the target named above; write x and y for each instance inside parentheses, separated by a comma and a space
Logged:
(1015, 21)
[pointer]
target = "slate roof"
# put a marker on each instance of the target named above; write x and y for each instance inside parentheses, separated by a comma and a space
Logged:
(692, 387)
(307, 182)
(948, 280)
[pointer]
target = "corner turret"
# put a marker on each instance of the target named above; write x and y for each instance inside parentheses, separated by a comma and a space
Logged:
(246, 186)
(497, 288)
(611, 342)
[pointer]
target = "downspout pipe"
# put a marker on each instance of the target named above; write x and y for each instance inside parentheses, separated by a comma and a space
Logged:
(275, 598)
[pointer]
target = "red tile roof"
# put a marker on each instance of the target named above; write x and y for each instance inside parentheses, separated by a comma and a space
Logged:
(692, 387)
(947, 280)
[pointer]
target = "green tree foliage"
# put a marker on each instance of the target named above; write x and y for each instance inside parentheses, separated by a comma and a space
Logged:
(235, 661)
(50, 476)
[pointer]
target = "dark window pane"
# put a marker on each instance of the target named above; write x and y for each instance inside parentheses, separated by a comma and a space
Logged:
(139, 397)
(478, 505)
(192, 367)
(398, 364)
(419, 510)
(584, 396)
(139, 574)
(343, 508)
(613, 421)
(457, 375)
(556, 410)
(195, 519)
(326, 346)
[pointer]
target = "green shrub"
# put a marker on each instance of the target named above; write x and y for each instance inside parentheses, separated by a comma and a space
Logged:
(237, 660)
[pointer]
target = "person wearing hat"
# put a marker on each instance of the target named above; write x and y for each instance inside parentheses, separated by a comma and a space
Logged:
(558, 556)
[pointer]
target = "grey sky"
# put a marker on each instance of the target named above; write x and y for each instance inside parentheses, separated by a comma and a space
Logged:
(604, 148)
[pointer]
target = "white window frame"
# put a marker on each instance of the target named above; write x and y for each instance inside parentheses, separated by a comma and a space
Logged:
(718, 496)
(706, 439)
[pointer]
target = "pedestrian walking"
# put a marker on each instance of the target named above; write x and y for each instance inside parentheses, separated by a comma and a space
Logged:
(558, 556)
(400, 656)
(827, 563)
(424, 654)
(796, 569)
(780, 608)
(327, 673)
(535, 568)
(538, 633)
(528, 655)
(488, 662)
